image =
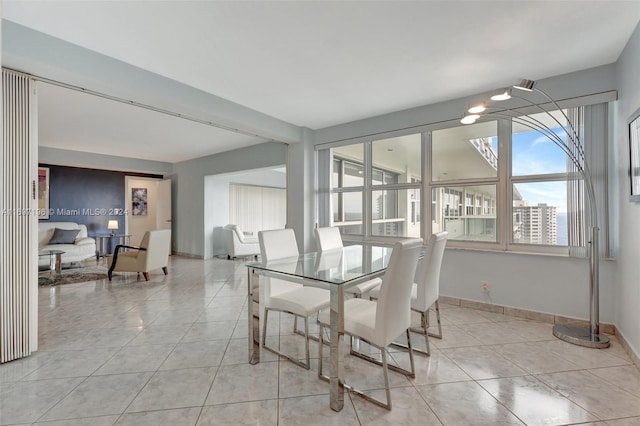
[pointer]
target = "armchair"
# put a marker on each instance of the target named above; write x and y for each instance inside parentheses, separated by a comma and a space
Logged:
(238, 244)
(153, 253)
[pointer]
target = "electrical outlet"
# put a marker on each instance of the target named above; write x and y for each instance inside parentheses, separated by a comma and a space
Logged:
(485, 286)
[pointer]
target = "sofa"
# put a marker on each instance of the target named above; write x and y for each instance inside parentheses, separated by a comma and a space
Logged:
(238, 244)
(82, 247)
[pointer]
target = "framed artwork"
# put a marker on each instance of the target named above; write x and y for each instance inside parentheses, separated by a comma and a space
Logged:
(43, 193)
(139, 201)
(634, 156)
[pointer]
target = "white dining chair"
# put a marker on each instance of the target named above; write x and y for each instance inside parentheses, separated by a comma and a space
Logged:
(280, 295)
(426, 290)
(379, 323)
(328, 238)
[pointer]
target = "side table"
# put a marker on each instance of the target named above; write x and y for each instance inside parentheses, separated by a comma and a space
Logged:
(104, 243)
(55, 259)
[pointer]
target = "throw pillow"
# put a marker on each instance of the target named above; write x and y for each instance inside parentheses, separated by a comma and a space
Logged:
(64, 236)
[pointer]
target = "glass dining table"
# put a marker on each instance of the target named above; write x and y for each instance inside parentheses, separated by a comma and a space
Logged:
(334, 270)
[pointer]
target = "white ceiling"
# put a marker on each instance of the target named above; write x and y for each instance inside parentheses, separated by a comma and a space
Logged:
(68, 119)
(315, 64)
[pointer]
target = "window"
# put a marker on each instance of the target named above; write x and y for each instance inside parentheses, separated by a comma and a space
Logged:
(495, 184)
(460, 154)
(391, 181)
(348, 183)
(460, 220)
(465, 152)
(539, 188)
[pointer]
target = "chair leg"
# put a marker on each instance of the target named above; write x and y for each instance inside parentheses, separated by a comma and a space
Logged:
(395, 368)
(411, 361)
(264, 328)
(320, 344)
(425, 327)
(146, 276)
(306, 366)
(387, 388)
(306, 340)
(300, 332)
(165, 270)
(439, 335)
(422, 330)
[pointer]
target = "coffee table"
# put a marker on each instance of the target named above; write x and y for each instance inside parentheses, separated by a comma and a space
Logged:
(55, 259)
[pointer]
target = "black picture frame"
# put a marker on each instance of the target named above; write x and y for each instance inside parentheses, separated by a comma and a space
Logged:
(634, 156)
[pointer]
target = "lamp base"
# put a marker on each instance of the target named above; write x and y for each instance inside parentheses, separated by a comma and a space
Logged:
(580, 336)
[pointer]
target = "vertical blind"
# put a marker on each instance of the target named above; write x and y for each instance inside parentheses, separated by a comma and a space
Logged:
(256, 208)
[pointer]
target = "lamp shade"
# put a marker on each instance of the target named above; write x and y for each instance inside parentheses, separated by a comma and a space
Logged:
(113, 224)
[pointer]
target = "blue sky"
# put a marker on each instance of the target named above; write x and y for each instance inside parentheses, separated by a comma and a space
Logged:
(534, 154)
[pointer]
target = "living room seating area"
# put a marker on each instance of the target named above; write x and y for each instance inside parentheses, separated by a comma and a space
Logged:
(70, 237)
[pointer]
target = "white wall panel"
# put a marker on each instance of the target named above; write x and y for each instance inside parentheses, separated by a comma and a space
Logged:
(18, 237)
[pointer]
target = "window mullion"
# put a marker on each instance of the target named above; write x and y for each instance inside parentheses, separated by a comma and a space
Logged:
(504, 194)
(366, 196)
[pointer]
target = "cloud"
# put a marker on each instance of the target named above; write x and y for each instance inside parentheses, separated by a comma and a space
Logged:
(552, 193)
(545, 139)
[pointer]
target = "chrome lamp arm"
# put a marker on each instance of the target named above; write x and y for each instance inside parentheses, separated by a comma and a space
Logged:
(574, 150)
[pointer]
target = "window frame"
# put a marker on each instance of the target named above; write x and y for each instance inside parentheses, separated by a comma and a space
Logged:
(503, 182)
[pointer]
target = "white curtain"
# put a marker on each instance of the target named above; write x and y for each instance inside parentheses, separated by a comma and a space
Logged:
(257, 208)
(591, 125)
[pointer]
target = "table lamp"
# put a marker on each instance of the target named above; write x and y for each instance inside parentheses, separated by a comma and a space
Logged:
(112, 226)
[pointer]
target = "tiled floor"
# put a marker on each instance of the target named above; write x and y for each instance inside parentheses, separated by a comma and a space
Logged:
(174, 352)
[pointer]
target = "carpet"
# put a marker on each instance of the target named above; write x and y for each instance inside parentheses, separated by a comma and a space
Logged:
(72, 275)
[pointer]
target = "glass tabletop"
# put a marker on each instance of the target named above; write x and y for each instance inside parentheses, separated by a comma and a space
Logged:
(50, 252)
(338, 266)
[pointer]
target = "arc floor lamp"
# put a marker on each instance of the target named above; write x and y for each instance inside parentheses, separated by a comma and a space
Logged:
(574, 149)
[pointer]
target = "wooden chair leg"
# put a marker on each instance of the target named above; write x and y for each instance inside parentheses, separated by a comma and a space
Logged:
(146, 276)
(165, 270)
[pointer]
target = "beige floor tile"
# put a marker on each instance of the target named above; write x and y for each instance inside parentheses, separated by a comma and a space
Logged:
(408, 407)
(244, 382)
(594, 394)
(174, 389)
(263, 413)
(175, 417)
(99, 396)
(535, 403)
(174, 350)
(480, 362)
(87, 421)
(466, 403)
(26, 402)
(314, 410)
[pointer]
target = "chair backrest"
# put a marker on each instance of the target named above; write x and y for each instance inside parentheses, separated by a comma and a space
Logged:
(277, 244)
(233, 237)
(235, 232)
(428, 274)
(393, 314)
(157, 244)
(329, 259)
(327, 238)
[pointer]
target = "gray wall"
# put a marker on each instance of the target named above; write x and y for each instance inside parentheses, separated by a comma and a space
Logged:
(627, 305)
(216, 199)
(552, 284)
(65, 157)
(189, 189)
